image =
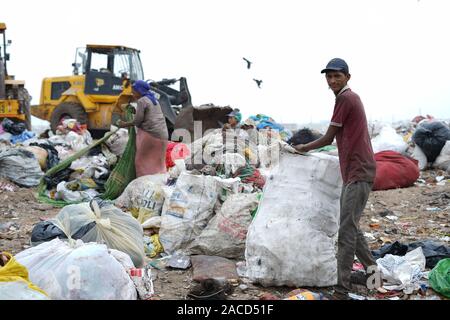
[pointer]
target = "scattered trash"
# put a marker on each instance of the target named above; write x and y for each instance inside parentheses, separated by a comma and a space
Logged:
(402, 273)
(354, 296)
(392, 218)
(4, 186)
(152, 246)
(179, 261)
(303, 294)
(142, 279)
(269, 296)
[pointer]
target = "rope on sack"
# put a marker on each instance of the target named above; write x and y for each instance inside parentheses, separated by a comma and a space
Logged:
(106, 222)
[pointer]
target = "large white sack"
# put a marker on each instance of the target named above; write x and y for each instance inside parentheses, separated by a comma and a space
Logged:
(388, 139)
(187, 211)
(443, 160)
(226, 232)
(420, 157)
(292, 239)
(77, 271)
(144, 196)
(118, 141)
(19, 290)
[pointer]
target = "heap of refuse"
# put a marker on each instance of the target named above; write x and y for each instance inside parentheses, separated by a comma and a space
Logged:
(243, 194)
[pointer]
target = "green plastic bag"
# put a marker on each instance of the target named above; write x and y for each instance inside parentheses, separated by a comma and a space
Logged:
(439, 277)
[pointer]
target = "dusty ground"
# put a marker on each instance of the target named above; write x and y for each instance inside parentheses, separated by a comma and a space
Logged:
(422, 211)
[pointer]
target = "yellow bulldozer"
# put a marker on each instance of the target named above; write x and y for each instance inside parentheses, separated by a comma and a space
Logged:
(14, 98)
(99, 89)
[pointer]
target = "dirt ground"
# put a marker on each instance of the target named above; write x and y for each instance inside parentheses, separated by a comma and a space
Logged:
(416, 213)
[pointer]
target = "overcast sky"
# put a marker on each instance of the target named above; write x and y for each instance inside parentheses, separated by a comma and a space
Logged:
(398, 51)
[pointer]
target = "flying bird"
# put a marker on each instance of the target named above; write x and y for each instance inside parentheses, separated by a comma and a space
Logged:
(258, 82)
(249, 63)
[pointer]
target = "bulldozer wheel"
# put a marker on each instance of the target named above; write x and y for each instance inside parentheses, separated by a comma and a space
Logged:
(25, 98)
(70, 110)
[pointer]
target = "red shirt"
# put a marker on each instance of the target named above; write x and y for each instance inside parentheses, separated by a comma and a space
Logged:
(356, 156)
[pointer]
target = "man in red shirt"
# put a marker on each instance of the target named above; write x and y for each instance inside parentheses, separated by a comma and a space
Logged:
(357, 162)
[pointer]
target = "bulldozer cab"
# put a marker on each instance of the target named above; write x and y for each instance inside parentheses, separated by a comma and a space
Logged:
(106, 67)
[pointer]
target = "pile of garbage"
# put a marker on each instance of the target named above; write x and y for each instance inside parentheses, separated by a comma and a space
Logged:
(403, 150)
(240, 194)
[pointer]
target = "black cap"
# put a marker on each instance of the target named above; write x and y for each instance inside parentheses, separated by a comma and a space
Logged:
(336, 64)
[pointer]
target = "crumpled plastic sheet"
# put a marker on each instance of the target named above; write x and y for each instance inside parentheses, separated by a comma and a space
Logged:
(403, 272)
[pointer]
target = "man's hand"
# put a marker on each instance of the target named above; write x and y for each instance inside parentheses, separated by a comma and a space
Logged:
(301, 148)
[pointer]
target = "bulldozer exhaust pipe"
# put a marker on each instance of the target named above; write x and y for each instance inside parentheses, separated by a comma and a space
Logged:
(2, 80)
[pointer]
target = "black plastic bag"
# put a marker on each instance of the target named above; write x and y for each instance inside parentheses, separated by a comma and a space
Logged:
(63, 175)
(432, 251)
(431, 138)
(396, 249)
(304, 136)
(46, 231)
(15, 128)
(52, 158)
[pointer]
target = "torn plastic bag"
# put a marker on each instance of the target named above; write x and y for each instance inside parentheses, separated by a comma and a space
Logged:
(77, 271)
(113, 227)
(21, 167)
(403, 273)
